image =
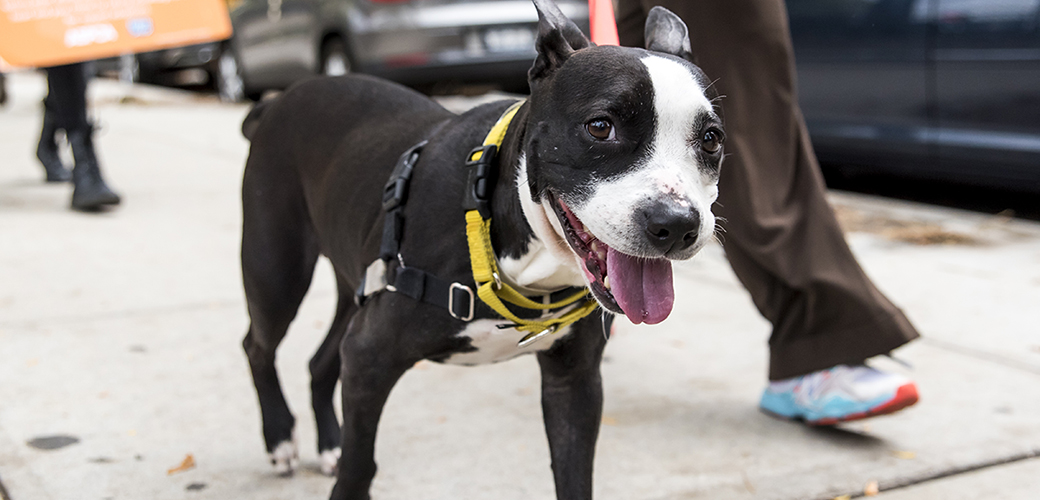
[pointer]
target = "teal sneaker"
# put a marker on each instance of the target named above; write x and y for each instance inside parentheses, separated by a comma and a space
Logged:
(839, 394)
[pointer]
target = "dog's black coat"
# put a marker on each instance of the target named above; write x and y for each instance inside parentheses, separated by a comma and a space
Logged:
(320, 156)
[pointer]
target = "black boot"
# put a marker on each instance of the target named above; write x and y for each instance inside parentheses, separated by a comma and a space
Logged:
(91, 192)
(47, 150)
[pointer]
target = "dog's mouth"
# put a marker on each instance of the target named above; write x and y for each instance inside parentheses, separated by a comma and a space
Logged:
(637, 287)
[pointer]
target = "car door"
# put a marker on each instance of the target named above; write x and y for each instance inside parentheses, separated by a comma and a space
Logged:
(297, 40)
(275, 41)
(987, 64)
(863, 73)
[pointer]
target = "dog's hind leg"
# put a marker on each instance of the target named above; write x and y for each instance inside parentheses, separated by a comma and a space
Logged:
(325, 367)
(279, 252)
(373, 360)
(572, 406)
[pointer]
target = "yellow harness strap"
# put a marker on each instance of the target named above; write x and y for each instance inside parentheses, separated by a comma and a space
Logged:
(490, 287)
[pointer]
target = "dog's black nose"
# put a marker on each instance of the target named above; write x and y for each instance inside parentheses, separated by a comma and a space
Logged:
(672, 229)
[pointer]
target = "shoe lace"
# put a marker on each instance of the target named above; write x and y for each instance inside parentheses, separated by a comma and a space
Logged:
(814, 385)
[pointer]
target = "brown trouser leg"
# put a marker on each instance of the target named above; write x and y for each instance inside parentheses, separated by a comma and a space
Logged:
(781, 238)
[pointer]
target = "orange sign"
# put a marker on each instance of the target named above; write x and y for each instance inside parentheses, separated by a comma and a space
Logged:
(53, 32)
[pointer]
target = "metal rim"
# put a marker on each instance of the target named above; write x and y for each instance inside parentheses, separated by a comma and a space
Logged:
(336, 62)
(230, 85)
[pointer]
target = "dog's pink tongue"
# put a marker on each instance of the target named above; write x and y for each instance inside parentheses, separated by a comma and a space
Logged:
(642, 287)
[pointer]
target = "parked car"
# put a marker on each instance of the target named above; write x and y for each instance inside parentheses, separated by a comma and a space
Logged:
(165, 66)
(278, 42)
(935, 89)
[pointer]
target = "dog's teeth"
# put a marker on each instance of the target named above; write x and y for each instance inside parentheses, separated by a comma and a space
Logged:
(594, 246)
(601, 253)
(606, 282)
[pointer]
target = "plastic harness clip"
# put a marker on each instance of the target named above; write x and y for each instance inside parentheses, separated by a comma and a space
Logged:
(482, 178)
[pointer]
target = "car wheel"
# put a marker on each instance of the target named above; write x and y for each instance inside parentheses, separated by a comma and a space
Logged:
(129, 69)
(231, 87)
(334, 59)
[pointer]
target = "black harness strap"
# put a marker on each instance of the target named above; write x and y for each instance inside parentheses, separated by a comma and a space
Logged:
(395, 194)
(389, 271)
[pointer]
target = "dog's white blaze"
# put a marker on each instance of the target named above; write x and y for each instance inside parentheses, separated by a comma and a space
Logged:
(494, 344)
(671, 173)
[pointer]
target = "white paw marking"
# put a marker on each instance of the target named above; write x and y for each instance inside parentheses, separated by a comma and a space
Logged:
(329, 460)
(285, 457)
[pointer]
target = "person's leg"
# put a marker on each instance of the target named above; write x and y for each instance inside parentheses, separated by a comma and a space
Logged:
(47, 148)
(781, 238)
(67, 92)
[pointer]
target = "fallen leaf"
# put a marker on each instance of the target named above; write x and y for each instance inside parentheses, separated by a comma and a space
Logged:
(131, 432)
(871, 489)
(187, 464)
(843, 497)
(905, 455)
(609, 421)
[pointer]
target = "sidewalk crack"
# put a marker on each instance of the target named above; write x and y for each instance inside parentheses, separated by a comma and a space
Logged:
(912, 481)
(982, 355)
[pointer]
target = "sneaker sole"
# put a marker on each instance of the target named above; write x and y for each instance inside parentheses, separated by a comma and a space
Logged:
(905, 396)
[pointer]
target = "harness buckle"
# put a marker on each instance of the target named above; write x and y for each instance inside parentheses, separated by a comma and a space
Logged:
(481, 180)
(467, 296)
(396, 189)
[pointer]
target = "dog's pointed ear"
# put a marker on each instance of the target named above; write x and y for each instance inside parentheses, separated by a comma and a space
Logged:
(666, 33)
(558, 38)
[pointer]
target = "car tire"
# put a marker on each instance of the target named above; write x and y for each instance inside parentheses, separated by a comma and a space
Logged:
(130, 70)
(231, 86)
(334, 58)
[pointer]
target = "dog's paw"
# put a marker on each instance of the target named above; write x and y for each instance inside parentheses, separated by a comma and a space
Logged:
(329, 460)
(285, 457)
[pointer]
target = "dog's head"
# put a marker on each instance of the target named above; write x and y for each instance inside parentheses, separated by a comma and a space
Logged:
(621, 158)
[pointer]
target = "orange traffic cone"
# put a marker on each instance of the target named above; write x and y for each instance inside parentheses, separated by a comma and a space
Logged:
(601, 22)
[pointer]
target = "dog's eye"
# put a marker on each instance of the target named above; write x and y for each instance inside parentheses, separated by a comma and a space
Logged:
(600, 129)
(711, 141)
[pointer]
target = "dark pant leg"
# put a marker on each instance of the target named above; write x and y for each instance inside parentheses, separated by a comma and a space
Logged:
(781, 238)
(67, 96)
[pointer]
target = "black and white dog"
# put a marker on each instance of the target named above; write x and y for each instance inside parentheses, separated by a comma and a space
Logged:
(606, 174)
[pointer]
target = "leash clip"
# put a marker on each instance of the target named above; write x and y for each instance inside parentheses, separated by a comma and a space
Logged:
(534, 337)
(468, 297)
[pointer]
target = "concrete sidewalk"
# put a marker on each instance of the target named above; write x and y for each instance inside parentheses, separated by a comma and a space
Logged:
(120, 349)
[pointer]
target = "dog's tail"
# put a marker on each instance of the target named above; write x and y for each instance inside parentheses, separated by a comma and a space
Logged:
(252, 121)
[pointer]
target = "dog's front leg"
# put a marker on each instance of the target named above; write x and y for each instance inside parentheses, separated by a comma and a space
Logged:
(372, 363)
(572, 405)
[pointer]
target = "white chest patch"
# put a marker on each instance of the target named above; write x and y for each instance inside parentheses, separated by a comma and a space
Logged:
(494, 344)
(548, 265)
